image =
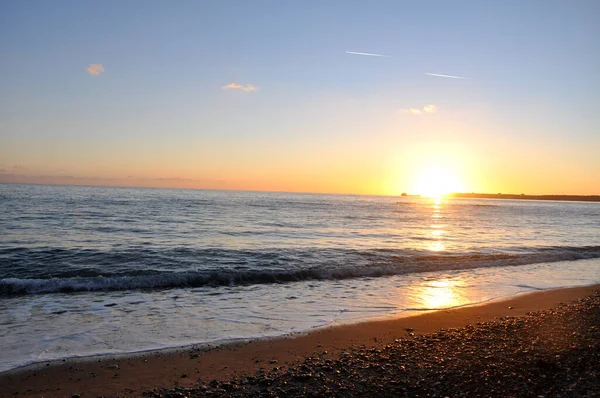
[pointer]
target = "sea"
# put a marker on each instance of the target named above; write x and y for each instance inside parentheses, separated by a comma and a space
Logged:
(95, 271)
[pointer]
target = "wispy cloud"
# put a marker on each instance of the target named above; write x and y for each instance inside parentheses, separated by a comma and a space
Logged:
(235, 86)
(448, 76)
(419, 111)
(367, 54)
(95, 69)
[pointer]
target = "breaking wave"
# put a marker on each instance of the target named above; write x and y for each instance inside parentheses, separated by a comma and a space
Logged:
(87, 270)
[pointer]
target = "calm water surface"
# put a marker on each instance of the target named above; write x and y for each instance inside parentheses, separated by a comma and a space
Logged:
(89, 270)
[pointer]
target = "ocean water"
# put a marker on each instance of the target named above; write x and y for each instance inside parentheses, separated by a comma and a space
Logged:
(93, 270)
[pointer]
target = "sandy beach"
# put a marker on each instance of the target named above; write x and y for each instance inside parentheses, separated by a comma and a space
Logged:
(193, 367)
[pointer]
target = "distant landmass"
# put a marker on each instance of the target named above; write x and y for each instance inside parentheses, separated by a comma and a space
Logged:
(573, 198)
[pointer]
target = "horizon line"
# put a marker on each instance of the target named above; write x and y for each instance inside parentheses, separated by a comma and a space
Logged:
(450, 194)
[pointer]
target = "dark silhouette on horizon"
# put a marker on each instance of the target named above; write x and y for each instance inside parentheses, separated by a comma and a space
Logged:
(570, 198)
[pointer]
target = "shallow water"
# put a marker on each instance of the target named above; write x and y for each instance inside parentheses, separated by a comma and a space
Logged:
(104, 270)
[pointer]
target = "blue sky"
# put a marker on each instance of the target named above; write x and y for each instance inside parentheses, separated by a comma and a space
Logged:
(159, 110)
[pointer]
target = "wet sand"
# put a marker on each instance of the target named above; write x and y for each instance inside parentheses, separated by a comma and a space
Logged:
(290, 365)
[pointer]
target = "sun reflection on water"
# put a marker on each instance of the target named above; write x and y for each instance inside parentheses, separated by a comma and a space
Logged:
(441, 294)
(437, 230)
(436, 246)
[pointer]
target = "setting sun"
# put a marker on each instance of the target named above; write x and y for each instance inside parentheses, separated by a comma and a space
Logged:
(437, 181)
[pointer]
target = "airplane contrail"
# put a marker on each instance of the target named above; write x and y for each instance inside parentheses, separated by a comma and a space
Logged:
(448, 76)
(369, 54)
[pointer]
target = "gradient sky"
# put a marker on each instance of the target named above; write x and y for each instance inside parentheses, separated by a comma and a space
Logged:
(262, 95)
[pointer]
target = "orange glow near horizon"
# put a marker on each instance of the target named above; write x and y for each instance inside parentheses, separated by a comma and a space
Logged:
(428, 168)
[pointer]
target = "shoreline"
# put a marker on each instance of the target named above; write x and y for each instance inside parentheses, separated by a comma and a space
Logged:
(400, 296)
(134, 373)
(233, 342)
(216, 344)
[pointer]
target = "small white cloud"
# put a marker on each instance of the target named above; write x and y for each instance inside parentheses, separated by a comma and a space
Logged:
(95, 69)
(429, 108)
(419, 111)
(235, 86)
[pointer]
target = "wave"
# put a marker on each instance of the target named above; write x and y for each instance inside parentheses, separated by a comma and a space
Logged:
(247, 267)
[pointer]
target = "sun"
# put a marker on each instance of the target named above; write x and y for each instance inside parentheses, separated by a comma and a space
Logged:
(436, 181)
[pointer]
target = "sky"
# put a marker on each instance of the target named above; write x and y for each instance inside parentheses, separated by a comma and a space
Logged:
(272, 95)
